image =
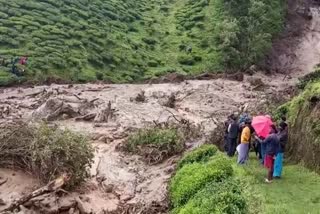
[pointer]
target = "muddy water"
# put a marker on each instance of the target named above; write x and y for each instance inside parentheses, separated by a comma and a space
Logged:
(117, 178)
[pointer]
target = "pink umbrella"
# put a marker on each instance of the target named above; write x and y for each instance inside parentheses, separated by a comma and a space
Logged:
(262, 125)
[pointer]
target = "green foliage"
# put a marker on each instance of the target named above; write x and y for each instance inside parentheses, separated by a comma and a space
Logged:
(155, 144)
(193, 177)
(186, 60)
(303, 116)
(7, 78)
(311, 77)
(46, 152)
(244, 30)
(66, 39)
(201, 154)
(218, 197)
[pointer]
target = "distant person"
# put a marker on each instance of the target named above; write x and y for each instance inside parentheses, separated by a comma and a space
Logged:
(23, 60)
(233, 131)
(283, 139)
(272, 147)
(243, 148)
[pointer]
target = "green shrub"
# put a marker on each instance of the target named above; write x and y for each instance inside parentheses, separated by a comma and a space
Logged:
(149, 41)
(153, 63)
(201, 154)
(186, 60)
(155, 144)
(46, 152)
(312, 77)
(193, 177)
(7, 78)
(218, 197)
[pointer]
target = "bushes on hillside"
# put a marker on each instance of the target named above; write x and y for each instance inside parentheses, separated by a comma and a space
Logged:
(193, 177)
(201, 154)
(303, 115)
(218, 197)
(244, 30)
(45, 152)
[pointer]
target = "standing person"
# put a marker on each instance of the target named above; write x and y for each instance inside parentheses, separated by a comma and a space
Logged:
(283, 140)
(272, 148)
(226, 126)
(243, 148)
(233, 131)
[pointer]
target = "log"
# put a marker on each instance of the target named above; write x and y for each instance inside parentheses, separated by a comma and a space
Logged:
(87, 117)
(3, 181)
(50, 187)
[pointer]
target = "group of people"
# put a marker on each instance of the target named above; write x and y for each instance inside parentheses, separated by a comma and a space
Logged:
(16, 64)
(241, 137)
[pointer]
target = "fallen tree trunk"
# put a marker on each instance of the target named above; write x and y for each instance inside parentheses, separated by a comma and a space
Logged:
(50, 187)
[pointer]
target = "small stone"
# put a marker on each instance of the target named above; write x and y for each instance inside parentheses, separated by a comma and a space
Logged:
(2, 203)
(108, 188)
(71, 211)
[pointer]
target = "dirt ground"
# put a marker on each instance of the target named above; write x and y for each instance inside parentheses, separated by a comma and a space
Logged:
(121, 183)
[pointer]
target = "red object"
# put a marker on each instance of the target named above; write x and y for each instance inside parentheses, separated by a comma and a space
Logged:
(269, 161)
(23, 60)
(262, 125)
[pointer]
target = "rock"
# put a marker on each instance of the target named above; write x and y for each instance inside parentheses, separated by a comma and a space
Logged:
(108, 188)
(255, 81)
(2, 203)
(71, 211)
(67, 203)
(141, 97)
(169, 170)
(83, 209)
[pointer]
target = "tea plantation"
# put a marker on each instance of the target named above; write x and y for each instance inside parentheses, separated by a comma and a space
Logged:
(127, 41)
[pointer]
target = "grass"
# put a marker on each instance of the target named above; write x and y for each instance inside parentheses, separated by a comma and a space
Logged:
(297, 192)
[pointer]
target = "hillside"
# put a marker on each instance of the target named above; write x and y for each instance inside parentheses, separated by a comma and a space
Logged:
(125, 41)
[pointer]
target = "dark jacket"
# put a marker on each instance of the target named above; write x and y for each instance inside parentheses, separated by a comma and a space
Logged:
(272, 144)
(283, 139)
(234, 130)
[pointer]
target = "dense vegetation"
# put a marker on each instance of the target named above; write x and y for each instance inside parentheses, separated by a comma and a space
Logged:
(304, 120)
(45, 152)
(155, 144)
(204, 183)
(123, 40)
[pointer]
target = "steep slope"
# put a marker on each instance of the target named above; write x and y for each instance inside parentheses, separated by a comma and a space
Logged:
(123, 41)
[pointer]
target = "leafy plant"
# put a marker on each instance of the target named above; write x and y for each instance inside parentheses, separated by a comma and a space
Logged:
(218, 197)
(201, 154)
(193, 177)
(155, 144)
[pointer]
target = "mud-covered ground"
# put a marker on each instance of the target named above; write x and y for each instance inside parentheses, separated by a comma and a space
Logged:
(121, 183)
